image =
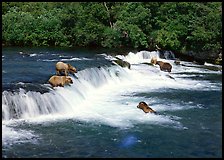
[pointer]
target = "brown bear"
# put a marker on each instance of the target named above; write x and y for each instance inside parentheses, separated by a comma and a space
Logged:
(164, 66)
(177, 62)
(63, 68)
(153, 60)
(56, 81)
(145, 107)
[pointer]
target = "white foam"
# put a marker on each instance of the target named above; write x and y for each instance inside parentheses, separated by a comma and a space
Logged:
(75, 59)
(11, 135)
(48, 60)
(64, 59)
(209, 64)
(32, 55)
(88, 99)
(139, 57)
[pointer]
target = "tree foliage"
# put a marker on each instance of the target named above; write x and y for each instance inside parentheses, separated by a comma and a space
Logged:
(177, 26)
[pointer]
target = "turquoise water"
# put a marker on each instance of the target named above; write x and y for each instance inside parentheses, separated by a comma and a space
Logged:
(97, 116)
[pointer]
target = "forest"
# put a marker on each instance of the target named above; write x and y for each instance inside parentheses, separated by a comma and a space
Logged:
(177, 26)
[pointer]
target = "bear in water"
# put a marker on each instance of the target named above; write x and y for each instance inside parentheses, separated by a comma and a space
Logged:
(153, 60)
(177, 62)
(64, 68)
(56, 81)
(164, 66)
(145, 107)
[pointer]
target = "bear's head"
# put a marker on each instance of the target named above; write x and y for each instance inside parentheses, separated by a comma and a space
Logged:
(153, 60)
(142, 105)
(145, 107)
(68, 80)
(72, 69)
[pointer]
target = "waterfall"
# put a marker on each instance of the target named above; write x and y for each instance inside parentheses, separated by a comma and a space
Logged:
(103, 93)
(139, 57)
(96, 87)
(29, 104)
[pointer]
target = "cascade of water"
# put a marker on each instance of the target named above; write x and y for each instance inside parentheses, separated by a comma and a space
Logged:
(95, 88)
(31, 104)
(139, 57)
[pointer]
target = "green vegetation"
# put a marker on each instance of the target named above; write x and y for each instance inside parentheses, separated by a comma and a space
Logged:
(176, 26)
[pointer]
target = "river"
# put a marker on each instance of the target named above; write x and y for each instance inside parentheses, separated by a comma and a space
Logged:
(97, 115)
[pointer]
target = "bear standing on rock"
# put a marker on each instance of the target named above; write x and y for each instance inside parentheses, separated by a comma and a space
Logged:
(63, 68)
(56, 81)
(164, 66)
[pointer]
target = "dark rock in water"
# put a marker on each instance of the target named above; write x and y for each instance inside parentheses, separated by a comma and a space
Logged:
(15, 87)
(169, 76)
(187, 56)
(122, 63)
(200, 57)
(197, 58)
(199, 61)
(192, 56)
(150, 64)
(213, 68)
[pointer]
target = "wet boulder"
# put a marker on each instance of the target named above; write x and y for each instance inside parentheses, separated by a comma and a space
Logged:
(150, 64)
(122, 63)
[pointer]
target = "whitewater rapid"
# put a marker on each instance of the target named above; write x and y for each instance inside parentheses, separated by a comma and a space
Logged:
(106, 95)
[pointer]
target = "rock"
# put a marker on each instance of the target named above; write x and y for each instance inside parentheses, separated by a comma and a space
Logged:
(122, 63)
(147, 63)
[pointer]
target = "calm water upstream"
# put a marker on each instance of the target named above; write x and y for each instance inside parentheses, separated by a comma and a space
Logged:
(97, 116)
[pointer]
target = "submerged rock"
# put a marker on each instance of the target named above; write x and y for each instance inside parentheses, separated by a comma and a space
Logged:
(148, 63)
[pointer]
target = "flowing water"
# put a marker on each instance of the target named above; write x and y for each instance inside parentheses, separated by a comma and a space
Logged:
(97, 115)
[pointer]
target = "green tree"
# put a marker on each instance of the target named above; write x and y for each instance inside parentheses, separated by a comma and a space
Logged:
(17, 26)
(176, 26)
